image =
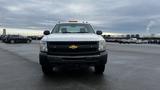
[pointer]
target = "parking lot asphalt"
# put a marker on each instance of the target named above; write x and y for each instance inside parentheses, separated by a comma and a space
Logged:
(130, 67)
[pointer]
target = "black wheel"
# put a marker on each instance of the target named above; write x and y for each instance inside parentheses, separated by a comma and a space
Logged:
(47, 70)
(28, 41)
(12, 41)
(99, 69)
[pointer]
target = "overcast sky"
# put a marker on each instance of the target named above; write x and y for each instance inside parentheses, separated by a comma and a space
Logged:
(117, 16)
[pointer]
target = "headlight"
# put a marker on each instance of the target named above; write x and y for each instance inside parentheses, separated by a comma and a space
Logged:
(102, 45)
(43, 46)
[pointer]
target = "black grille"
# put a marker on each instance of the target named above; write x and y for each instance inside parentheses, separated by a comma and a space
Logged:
(62, 48)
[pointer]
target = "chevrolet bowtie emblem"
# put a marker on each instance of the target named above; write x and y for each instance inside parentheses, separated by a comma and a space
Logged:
(73, 46)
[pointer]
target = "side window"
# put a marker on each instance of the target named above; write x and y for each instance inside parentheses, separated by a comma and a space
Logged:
(16, 36)
(92, 29)
(55, 28)
(63, 30)
(20, 36)
(83, 30)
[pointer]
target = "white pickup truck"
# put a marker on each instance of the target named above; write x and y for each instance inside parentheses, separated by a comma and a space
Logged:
(72, 43)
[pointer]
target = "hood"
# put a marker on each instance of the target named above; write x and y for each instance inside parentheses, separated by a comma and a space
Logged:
(73, 37)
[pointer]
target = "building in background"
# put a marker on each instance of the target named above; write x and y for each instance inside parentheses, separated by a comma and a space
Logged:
(4, 32)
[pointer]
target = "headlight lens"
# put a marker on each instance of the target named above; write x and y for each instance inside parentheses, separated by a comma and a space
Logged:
(43, 46)
(102, 45)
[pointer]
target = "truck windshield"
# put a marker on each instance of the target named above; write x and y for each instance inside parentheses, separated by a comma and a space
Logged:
(73, 28)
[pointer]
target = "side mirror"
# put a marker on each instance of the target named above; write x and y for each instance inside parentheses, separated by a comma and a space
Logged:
(46, 32)
(99, 32)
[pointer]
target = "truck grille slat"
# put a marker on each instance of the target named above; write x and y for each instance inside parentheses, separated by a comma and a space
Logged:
(62, 48)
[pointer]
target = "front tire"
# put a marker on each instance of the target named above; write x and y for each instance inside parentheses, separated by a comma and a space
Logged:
(28, 41)
(47, 70)
(99, 69)
(12, 41)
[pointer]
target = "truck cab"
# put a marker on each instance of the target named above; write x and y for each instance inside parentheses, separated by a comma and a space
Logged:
(73, 44)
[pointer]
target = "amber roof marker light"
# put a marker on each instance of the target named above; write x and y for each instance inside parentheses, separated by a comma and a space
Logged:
(72, 21)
